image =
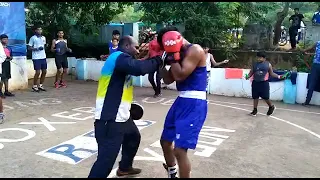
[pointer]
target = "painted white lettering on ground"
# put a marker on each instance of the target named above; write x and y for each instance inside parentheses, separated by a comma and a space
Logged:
(50, 101)
(47, 124)
(30, 134)
(7, 108)
(72, 116)
(153, 100)
(85, 109)
(154, 156)
(25, 104)
(207, 142)
(168, 103)
(44, 101)
(81, 147)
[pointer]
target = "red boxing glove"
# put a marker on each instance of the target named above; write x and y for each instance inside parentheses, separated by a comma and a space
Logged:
(172, 42)
(154, 48)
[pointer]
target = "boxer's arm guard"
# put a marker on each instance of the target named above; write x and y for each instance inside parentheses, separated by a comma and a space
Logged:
(129, 65)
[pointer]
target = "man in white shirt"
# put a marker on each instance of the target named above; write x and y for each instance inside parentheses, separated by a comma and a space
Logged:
(210, 61)
(37, 45)
(3, 57)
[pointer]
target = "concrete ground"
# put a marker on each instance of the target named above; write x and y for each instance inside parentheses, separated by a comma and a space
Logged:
(49, 134)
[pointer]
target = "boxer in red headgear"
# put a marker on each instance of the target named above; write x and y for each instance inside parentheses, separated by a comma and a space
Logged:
(188, 113)
(154, 50)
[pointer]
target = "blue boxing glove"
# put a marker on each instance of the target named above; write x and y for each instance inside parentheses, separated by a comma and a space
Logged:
(40, 48)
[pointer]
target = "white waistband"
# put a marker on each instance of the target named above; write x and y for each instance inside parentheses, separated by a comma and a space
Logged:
(193, 94)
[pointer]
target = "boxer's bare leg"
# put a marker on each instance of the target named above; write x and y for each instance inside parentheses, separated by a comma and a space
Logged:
(183, 162)
(168, 153)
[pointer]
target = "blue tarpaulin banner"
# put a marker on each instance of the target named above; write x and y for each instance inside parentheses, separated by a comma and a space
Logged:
(13, 24)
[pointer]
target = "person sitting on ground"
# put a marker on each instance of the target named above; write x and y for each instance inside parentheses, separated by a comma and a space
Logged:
(6, 67)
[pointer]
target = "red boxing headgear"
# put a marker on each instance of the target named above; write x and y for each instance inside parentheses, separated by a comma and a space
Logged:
(172, 42)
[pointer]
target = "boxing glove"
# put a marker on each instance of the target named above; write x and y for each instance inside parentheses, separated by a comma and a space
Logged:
(172, 42)
(154, 48)
(168, 58)
(40, 48)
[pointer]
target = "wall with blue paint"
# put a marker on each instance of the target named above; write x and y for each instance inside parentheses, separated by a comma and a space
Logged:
(124, 29)
(131, 29)
(106, 31)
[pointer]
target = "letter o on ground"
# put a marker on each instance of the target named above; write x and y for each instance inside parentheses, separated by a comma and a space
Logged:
(30, 134)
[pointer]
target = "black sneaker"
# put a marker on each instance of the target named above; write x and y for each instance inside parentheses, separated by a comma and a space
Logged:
(35, 89)
(254, 112)
(157, 95)
(41, 88)
(8, 94)
(130, 172)
(305, 104)
(271, 110)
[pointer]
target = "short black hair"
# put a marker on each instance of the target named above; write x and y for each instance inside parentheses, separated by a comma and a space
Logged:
(2, 36)
(115, 39)
(60, 30)
(125, 40)
(115, 32)
(205, 44)
(296, 9)
(261, 54)
(36, 27)
(163, 31)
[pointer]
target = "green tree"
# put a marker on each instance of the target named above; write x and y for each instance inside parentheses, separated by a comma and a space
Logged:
(85, 16)
(206, 21)
(277, 26)
(129, 15)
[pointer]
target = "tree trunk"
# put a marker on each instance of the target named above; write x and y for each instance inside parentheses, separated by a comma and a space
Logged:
(277, 27)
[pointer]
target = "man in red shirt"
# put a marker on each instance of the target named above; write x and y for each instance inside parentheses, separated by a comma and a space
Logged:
(154, 50)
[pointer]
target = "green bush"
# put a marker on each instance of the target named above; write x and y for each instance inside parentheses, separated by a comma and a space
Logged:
(301, 62)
